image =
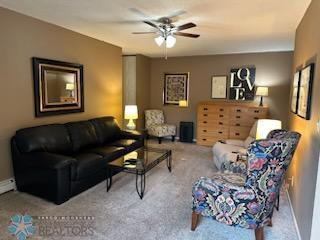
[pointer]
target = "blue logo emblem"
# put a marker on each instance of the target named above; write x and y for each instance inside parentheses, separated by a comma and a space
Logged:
(21, 226)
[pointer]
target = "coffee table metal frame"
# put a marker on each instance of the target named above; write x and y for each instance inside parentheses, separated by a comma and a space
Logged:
(140, 173)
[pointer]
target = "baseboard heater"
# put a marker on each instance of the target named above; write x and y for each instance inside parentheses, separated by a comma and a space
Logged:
(7, 185)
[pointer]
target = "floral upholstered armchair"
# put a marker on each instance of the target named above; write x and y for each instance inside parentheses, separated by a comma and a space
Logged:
(239, 165)
(155, 125)
(247, 200)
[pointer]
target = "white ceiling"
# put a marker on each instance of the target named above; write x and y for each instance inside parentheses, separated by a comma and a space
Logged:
(225, 26)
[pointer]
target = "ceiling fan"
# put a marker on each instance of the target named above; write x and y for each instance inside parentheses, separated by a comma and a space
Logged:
(166, 30)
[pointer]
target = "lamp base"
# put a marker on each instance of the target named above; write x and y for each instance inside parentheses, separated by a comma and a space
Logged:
(131, 125)
(261, 102)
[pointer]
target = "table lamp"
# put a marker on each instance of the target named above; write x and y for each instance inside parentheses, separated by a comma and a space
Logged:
(265, 126)
(131, 113)
(262, 92)
(70, 88)
(183, 103)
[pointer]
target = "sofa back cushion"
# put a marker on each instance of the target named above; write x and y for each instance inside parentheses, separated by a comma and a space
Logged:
(107, 129)
(82, 134)
(49, 138)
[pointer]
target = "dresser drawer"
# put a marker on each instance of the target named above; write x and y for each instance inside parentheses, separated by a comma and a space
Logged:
(214, 131)
(208, 141)
(211, 123)
(238, 110)
(212, 116)
(203, 109)
(239, 132)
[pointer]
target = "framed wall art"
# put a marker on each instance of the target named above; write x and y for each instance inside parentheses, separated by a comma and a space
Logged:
(175, 88)
(295, 92)
(305, 92)
(58, 87)
(242, 83)
(219, 87)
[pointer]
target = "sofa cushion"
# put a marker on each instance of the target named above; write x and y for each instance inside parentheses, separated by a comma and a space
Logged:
(47, 138)
(109, 153)
(107, 129)
(87, 165)
(128, 144)
(82, 134)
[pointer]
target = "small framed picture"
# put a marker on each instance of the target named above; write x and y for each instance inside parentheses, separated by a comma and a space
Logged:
(295, 92)
(219, 87)
(305, 92)
(176, 88)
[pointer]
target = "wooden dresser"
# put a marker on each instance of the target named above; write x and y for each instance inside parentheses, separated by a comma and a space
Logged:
(226, 120)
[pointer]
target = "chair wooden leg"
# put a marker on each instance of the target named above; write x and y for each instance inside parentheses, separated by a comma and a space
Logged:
(159, 140)
(194, 220)
(270, 223)
(259, 233)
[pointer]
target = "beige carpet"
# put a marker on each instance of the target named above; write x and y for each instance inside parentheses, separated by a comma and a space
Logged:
(164, 212)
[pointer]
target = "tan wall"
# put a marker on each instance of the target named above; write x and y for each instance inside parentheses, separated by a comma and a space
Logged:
(142, 87)
(305, 163)
(24, 37)
(272, 69)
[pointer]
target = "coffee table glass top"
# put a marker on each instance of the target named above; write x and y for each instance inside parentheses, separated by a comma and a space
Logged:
(141, 160)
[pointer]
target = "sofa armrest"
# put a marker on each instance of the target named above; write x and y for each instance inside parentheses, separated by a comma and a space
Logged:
(235, 142)
(45, 160)
(132, 134)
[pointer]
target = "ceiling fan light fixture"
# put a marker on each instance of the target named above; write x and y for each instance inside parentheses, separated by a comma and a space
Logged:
(159, 40)
(170, 41)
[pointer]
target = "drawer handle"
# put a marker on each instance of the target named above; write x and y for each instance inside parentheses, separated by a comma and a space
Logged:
(203, 139)
(204, 121)
(204, 130)
(237, 134)
(205, 115)
(220, 115)
(256, 111)
(237, 124)
(220, 123)
(220, 132)
(238, 117)
(205, 109)
(221, 109)
(256, 118)
(238, 110)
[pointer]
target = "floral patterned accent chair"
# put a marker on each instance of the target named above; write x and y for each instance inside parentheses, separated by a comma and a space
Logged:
(240, 164)
(247, 200)
(155, 125)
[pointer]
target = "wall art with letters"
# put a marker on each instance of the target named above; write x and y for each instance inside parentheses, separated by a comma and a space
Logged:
(242, 83)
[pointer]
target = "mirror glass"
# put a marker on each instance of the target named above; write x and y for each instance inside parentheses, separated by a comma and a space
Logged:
(60, 87)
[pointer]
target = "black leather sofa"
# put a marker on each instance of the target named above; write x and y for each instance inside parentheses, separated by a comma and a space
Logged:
(58, 161)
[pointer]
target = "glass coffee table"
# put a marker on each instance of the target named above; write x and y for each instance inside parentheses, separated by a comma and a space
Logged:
(138, 162)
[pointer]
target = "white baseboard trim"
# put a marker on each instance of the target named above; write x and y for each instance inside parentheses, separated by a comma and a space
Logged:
(293, 215)
(7, 185)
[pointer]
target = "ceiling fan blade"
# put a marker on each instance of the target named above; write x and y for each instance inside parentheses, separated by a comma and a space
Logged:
(176, 14)
(186, 26)
(151, 24)
(144, 32)
(186, 34)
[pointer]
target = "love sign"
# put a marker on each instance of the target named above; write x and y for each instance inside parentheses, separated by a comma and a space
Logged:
(242, 84)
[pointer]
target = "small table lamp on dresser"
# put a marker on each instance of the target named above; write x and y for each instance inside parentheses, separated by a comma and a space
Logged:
(262, 92)
(131, 113)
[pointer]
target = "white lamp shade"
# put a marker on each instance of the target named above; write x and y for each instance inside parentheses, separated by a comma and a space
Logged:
(265, 126)
(171, 41)
(131, 112)
(262, 91)
(159, 40)
(69, 86)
